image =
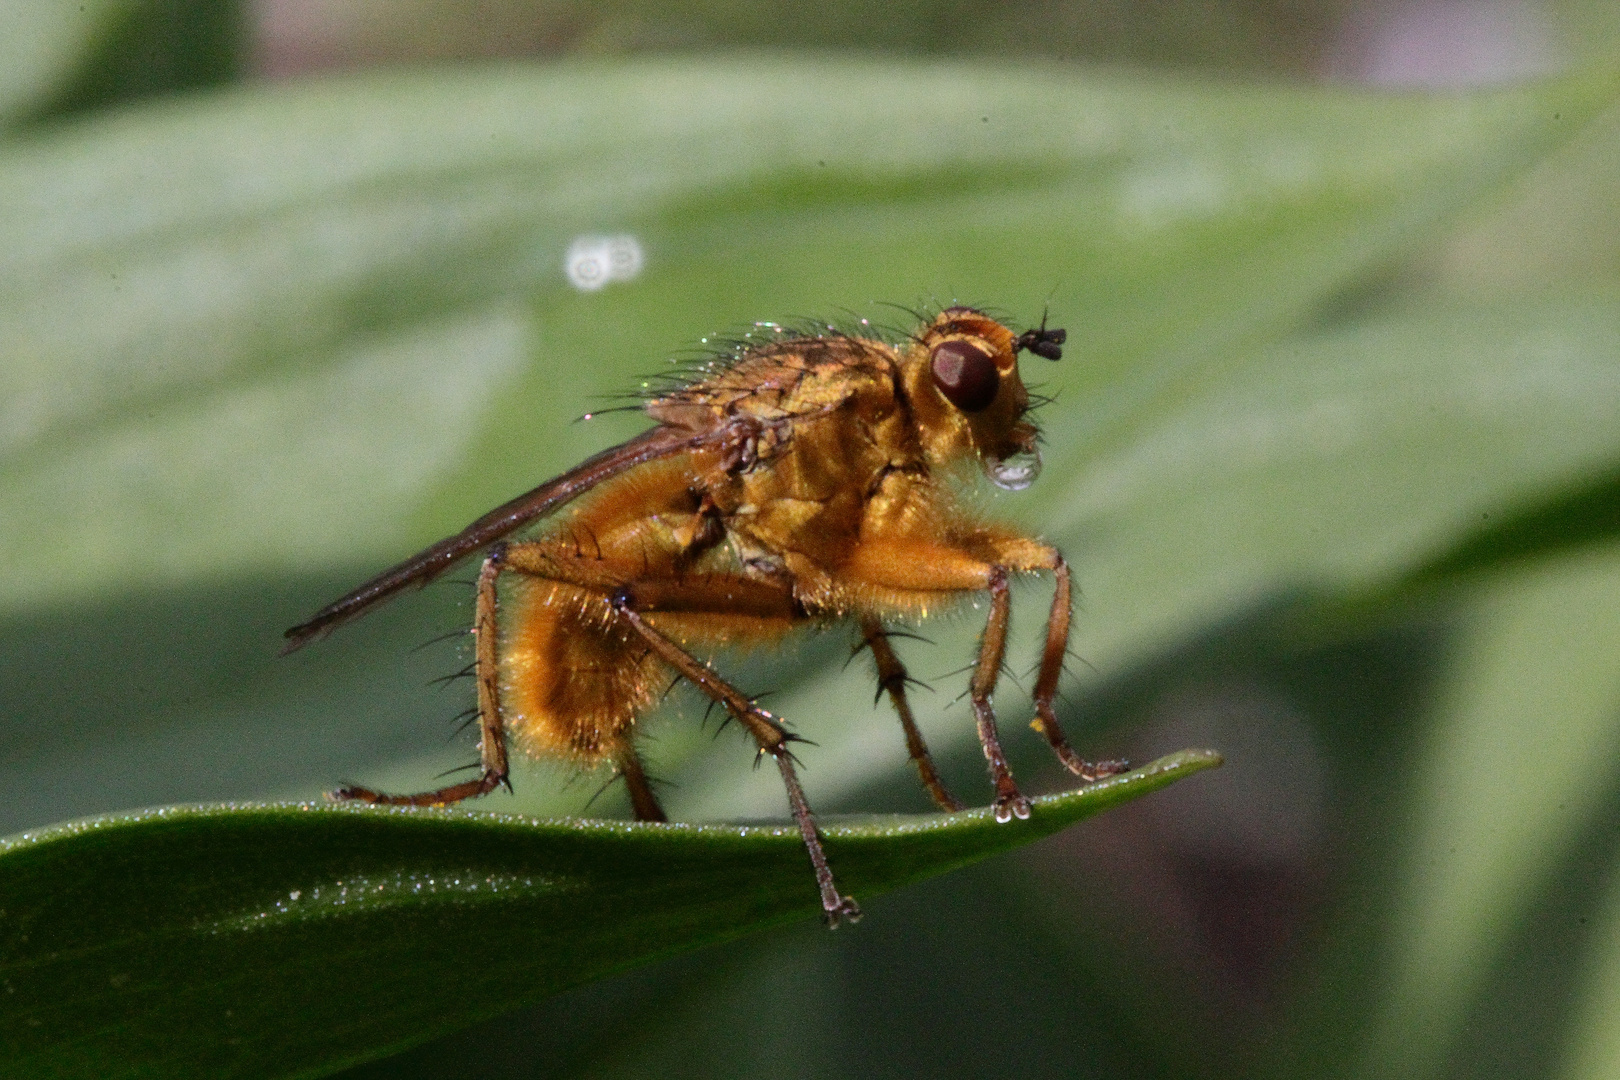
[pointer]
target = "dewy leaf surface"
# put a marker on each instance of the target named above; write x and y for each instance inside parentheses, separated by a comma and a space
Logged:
(290, 940)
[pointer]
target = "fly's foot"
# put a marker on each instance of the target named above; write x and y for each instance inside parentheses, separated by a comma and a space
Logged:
(1009, 805)
(1046, 723)
(1092, 771)
(847, 910)
(446, 796)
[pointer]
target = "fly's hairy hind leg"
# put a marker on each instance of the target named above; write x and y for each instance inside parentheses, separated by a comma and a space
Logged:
(491, 731)
(1057, 645)
(768, 734)
(892, 678)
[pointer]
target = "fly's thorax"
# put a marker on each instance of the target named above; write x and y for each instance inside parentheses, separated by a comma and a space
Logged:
(779, 382)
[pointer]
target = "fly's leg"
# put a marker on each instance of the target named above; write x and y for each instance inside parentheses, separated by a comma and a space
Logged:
(906, 565)
(1010, 802)
(1057, 643)
(770, 736)
(491, 731)
(892, 678)
(642, 799)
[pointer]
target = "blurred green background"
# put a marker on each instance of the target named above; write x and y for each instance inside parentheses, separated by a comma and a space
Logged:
(1335, 455)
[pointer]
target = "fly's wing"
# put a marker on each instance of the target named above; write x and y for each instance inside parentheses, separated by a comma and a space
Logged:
(767, 389)
(423, 567)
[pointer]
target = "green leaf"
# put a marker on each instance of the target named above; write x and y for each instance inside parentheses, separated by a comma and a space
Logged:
(156, 48)
(1511, 789)
(42, 46)
(1585, 512)
(290, 940)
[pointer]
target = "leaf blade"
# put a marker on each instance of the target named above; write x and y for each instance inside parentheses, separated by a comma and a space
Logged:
(267, 941)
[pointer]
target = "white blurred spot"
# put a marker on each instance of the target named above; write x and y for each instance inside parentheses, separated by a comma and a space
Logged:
(593, 261)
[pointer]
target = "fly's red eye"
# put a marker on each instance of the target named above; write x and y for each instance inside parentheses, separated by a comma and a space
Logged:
(965, 374)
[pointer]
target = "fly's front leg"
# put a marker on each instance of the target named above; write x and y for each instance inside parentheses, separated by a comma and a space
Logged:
(1010, 802)
(1057, 644)
(982, 564)
(928, 572)
(770, 736)
(491, 731)
(892, 678)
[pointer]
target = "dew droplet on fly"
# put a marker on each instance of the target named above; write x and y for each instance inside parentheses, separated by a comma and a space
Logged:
(1014, 473)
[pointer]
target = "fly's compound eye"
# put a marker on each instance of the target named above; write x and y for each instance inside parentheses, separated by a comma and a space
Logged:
(966, 374)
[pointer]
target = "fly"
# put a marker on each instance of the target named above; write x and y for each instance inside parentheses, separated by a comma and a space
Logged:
(807, 482)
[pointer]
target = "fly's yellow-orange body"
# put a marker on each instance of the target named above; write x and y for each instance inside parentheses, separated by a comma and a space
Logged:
(809, 481)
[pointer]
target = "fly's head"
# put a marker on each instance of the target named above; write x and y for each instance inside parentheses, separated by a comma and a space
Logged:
(966, 393)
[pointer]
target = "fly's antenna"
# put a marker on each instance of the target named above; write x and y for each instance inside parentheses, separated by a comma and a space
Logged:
(1042, 342)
